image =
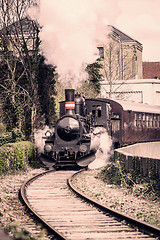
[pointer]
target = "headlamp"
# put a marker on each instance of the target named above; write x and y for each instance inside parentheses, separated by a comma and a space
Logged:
(48, 133)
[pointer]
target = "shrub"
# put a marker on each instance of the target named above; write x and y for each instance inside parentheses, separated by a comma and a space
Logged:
(15, 156)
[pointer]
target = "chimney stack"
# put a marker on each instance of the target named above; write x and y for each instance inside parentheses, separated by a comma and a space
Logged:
(69, 101)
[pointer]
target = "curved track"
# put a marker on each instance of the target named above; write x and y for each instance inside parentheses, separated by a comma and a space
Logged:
(49, 197)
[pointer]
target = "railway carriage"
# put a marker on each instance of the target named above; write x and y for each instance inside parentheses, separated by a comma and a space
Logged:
(126, 122)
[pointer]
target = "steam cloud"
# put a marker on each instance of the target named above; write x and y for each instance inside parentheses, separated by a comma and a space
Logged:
(71, 32)
(102, 142)
(38, 138)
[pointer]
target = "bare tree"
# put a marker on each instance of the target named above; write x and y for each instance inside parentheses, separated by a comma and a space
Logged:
(20, 57)
(118, 66)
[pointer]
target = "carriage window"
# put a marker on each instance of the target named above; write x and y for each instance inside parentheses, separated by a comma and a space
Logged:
(140, 120)
(93, 110)
(116, 115)
(115, 126)
(97, 111)
(135, 120)
(156, 120)
(144, 119)
(151, 121)
(147, 120)
(108, 109)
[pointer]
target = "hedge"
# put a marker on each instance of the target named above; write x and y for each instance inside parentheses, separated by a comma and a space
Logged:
(15, 156)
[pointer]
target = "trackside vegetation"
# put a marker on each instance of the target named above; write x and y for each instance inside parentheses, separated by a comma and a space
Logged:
(16, 156)
(115, 174)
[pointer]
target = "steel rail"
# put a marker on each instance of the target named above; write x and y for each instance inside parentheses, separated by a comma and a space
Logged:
(146, 228)
(142, 226)
(56, 233)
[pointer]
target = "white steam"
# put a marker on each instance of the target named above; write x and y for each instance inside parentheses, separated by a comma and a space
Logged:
(102, 142)
(38, 138)
(71, 32)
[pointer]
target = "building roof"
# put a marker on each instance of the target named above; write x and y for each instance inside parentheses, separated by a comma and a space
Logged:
(124, 37)
(151, 70)
(25, 25)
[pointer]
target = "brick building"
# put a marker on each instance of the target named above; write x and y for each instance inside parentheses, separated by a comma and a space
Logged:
(121, 56)
(151, 70)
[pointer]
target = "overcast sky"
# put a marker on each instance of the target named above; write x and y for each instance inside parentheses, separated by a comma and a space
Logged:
(140, 19)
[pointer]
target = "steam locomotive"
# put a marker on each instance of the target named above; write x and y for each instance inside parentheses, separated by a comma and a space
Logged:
(126, 123)
(71, 137)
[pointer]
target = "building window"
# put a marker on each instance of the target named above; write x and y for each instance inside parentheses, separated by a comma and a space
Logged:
(134, 64)
(101, 52)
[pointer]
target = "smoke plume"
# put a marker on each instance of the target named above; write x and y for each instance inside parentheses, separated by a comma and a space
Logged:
(102, 143)
(71, 32)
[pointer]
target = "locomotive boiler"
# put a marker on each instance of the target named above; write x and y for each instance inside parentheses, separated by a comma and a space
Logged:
(71, 138)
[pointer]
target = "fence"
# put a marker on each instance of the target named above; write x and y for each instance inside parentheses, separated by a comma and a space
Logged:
(143, 158)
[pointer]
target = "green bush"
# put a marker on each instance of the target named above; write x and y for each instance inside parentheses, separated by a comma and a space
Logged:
(15, 156)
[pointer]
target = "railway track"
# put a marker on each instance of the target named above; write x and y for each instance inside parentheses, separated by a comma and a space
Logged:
(50, 199)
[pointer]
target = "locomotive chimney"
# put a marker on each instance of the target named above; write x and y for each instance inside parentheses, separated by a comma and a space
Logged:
(69, 101)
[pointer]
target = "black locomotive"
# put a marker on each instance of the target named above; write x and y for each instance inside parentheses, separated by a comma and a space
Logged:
(71, 137)
(126, 122)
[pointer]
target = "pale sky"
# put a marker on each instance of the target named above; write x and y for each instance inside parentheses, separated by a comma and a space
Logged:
(140, 19)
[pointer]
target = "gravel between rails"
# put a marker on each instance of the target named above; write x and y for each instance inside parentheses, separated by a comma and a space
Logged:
(120, 199)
